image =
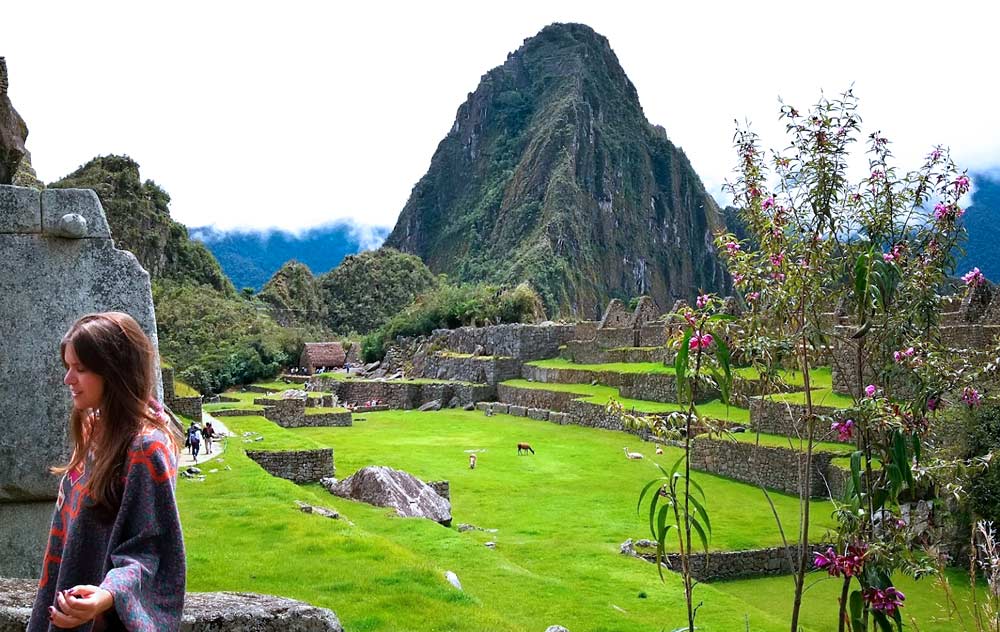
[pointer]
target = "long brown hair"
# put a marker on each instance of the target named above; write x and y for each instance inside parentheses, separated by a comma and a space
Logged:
(112, 345)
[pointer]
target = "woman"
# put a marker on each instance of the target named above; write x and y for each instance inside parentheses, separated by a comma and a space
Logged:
(115, 556)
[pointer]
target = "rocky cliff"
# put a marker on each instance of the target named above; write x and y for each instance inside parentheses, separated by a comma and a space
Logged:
(552, 174)
(13, 131)
(139, 215)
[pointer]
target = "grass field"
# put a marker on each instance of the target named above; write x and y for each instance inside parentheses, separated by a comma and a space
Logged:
(560, 517)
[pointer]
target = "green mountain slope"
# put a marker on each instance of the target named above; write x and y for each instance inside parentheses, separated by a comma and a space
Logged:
(139, 216)
(552, 174)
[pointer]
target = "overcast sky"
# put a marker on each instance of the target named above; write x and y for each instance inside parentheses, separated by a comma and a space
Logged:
(295, 114)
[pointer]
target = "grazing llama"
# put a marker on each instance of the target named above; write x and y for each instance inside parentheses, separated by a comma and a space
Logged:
(659, 450)
(472, 461)
(632, 455)
(524, 447)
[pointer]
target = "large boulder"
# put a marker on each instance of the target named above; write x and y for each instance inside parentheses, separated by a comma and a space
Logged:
(385, 487)
(203, 612)
(13, 132)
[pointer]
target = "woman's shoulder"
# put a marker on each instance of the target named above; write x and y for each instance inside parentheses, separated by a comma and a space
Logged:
(151, 440)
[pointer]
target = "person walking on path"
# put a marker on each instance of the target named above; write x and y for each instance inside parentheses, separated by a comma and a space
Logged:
(208, 432)
(194, 438)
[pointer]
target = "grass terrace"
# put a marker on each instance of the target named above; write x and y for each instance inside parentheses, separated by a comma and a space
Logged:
(317, 410)
(779, 441)
(183, 390)
(560, 517)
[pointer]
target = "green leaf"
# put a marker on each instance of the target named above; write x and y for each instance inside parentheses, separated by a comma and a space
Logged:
(856, 471)
(677, 464)
(861, 275)
(916, 447)
(701, 533)
(681, 361)
(717, 317)
(901, 457)
(645, 490)
(882, 621)
(652, 513)
(697, 487)
(701, 512)
(856, 607)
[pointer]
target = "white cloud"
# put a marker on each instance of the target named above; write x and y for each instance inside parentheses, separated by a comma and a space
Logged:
(250, 116)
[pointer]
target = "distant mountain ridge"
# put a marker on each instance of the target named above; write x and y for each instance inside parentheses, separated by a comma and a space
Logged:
(982, 219)
(250, 259)
(552, 174)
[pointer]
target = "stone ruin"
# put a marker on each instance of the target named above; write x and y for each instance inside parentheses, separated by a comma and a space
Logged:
(58, 263)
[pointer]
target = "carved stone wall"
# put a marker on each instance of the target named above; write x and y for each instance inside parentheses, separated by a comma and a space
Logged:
(771, 417)
(520, 341)
(57, 263)
(615, 315)
(405, 395)
(771, 467)
(298, 466)
(478, 369)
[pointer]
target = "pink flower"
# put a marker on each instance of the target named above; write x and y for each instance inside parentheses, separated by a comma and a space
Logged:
(961, 183)
(778, 259)
(971, 397)
(732, 247)
(845, 429)
(973, 278)
(803, 264)
(753, 296)
(778, 276)
(899, 356)
(870, 390)
(768, 203)
(935, 155)
(884, 600)
(702, 301)
(877, 174)
(689, 317)
(849, 564)
(738, 278)
(700, 341)
(935, 403)
(826, 560)
(947, 212)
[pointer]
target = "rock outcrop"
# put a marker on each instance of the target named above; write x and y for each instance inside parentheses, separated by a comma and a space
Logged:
(13, 132)
(203, 612)
(385, 487)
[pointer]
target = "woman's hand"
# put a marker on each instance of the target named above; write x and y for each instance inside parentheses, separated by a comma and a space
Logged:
(79, 605)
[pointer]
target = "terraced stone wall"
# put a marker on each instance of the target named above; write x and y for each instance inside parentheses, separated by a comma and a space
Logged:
(771, 467)
(652, 387)
(653, 335)
(771, 417)
(586, 352)
(520, 341)
(585, 330)
(298, 466)
(614, 337)
(190, 407)
(477, 369)
(291, 413)
(722, 565)
(535, 398)
(405, 395)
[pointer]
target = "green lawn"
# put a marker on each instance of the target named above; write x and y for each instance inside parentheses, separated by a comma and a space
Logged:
(183, 390)
(560, 514)
(613, 367)
(820, 397)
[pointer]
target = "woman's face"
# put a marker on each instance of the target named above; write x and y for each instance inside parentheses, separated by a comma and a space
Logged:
(86, 387)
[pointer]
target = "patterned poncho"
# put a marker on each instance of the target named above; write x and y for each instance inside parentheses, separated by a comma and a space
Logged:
(137, 554)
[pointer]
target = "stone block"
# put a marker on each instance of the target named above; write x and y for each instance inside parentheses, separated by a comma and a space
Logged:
(23, 547)
(20, 210)
(483, 405)
(501, 409)
(517, 411)
(58, 203)
(539, 414)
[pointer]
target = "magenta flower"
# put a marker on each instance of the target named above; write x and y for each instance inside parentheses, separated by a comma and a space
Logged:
(768, 203)
(899, 356)
(826, 560)
(732, 247)
(689, 317)
(870, 390)
(935, 403)
(973, 278)
(702, 301)
(935, 155)
(886, 601)
(738, 278)
(971, 397)
(961, 183)
(778, 259)
(877, 174)
(700, 341)
(753, 296)
(848, 565)
(845, 429)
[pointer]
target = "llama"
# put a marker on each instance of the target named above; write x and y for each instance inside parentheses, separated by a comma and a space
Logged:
(632, 455)
(659, 450)
(472, 461)
(524, 447)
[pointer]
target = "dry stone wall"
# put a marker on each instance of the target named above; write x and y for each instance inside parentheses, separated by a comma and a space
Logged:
(298, 466)
(771, 467)
(466, 368)
(615, 315)
(406, 395)
(724, 565)
(520, 341)
(58, 263)
(772, 417)
(291, 413)
(653, 335)
(616, 337)
(586, 352)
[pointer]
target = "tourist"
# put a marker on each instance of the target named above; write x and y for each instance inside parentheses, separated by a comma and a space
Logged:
(115, 553)
(194, 438)
(209, 433)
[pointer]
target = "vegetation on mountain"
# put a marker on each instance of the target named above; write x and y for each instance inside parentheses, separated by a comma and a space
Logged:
(294, 295)
(551, 174)
(450, 306)
(982, 221)
(367, 289)
(139, 215)
(215, 340)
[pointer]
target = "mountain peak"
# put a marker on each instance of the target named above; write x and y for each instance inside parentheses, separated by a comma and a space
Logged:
(552, 174)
